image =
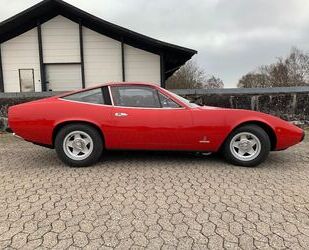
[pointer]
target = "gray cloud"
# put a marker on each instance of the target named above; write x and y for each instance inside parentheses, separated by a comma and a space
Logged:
(232, 36)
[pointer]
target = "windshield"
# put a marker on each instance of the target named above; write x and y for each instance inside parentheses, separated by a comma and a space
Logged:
(186, 101)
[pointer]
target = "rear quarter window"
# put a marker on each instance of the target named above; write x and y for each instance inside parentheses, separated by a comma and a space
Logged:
(94, 96)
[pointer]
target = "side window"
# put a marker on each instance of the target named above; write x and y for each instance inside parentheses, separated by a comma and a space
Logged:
(94, 96)
(167, 102)
(135, 96)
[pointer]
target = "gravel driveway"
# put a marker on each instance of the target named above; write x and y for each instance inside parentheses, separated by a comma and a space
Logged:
(153, 200)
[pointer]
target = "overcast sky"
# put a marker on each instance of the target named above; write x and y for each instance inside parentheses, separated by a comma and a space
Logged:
(232, 37)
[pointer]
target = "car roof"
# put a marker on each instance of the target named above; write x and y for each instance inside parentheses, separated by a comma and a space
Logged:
(128, 83)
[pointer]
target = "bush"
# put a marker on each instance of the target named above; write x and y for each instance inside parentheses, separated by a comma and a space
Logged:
(4, 110)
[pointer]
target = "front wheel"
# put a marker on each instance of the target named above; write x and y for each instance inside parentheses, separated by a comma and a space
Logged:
(79, 145)
(247, 146)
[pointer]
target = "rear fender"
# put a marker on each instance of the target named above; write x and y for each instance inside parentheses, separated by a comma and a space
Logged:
(59, 124)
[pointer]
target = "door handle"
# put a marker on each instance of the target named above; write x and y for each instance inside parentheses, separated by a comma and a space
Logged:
(121, 114)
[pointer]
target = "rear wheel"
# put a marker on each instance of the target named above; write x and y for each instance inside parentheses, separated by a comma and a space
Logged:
(247, 146)
(79, 145)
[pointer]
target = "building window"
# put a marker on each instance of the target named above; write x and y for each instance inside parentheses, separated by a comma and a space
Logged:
(26, 80)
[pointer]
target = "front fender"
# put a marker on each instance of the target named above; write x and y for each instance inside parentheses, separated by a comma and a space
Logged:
(282, 133)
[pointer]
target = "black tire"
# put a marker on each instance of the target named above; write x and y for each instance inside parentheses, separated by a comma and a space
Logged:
(260, 157)
(93, 157)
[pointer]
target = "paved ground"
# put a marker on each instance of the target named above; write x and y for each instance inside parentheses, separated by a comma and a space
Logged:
(154, 200)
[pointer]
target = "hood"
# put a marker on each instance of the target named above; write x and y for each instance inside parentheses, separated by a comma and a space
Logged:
(244, 113)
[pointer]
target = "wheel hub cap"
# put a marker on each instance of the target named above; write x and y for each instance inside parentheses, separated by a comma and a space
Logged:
(245, 146)
(78, 145)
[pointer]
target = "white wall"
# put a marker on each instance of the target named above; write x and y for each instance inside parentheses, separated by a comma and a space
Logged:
(64, 77)
(20, 52)
(60, 38)
(102, 57)
(141, 65)
(103, 63)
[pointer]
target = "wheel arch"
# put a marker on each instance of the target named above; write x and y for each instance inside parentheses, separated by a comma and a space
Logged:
(267, 128)
(62, 124)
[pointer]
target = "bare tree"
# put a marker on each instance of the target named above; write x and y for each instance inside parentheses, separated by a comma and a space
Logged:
(253, 80)
(298, 67)
(277, 74)
(191, 76)
(291, 71)
(214, 83)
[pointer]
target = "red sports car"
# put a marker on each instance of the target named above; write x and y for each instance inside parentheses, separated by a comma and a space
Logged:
(138, 116)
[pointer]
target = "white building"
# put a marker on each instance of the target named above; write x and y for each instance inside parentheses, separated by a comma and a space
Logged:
(54, 46)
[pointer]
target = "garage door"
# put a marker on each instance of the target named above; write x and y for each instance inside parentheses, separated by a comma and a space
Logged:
(63, 77)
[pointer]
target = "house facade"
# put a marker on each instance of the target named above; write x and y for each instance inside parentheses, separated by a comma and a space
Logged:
(54, 46)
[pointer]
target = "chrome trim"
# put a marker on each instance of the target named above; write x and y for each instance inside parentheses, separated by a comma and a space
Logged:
(96, 104)
(89, 103)
(204, 142)
(147, 108)
(121, 114)
(110, 95)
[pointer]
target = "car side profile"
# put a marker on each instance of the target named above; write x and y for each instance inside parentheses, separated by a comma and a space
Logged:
(80, 125)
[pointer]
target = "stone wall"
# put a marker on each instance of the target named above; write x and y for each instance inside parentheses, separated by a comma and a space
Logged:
(291, 103)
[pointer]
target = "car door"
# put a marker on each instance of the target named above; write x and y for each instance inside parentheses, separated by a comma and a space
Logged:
(140, 120)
